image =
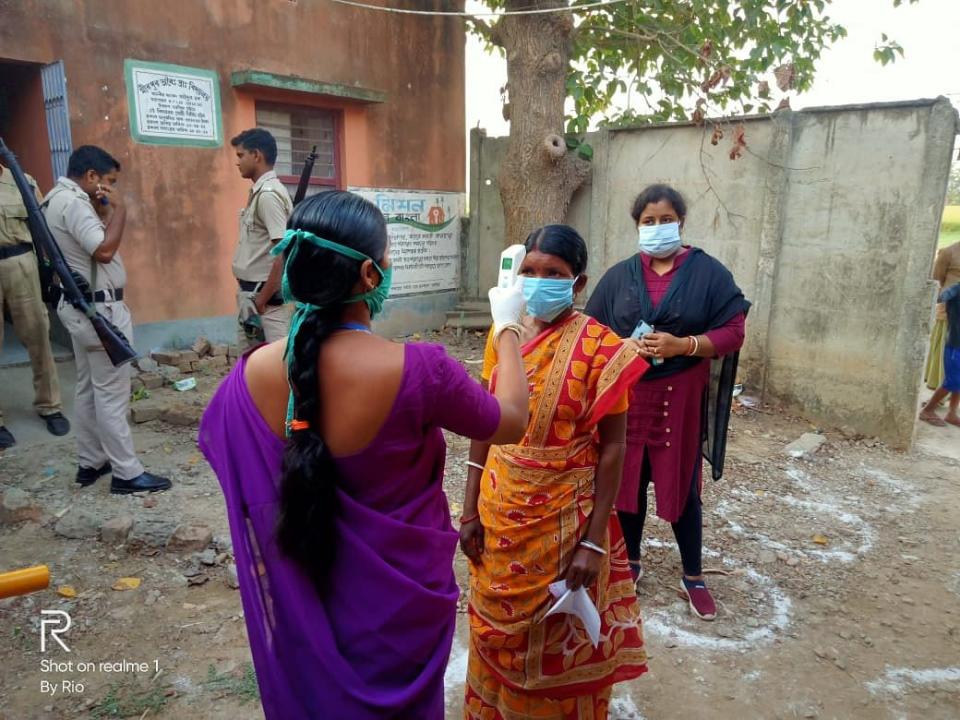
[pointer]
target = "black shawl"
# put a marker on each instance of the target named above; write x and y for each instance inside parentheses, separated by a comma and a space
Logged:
(702, 296)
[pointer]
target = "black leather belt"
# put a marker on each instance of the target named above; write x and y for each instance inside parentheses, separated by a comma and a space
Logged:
(9, 251)
(106, 296)
(254, 286)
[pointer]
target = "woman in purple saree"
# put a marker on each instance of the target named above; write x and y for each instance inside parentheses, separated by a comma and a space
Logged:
(331, 460)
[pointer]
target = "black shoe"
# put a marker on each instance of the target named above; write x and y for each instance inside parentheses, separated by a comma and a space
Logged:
(6, 438)
(57, 424)
(144, 482)
(88, 475)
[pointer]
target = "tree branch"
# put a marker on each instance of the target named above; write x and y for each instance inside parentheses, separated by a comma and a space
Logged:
(489, 31)
(632, 35)
(713, 190)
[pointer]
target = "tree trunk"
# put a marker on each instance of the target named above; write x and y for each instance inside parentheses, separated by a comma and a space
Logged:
(538, 175)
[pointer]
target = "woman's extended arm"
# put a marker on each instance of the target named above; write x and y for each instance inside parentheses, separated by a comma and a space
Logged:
(586, 563)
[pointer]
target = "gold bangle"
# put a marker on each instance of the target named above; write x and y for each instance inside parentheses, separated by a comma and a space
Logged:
(513, 327)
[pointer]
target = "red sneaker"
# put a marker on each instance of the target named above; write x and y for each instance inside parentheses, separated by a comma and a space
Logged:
(700, 599)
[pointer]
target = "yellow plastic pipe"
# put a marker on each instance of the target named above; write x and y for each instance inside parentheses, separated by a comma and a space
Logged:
(27, 580)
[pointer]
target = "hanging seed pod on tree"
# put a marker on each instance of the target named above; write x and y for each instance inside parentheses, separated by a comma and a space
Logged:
(786, 75)
(739, 142)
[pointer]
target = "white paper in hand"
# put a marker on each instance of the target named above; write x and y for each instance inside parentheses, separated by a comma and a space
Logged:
(579, 604)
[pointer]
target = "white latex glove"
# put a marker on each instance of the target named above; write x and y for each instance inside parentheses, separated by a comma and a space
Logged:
(507, 305)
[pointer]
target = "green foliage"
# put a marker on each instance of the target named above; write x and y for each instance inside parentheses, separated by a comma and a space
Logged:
(129, 698)
(950, 227)
(243, 685)
(683, 59)
(20, 638)
(886, 52)
(953, 187)
(140, 394)
(584, 150)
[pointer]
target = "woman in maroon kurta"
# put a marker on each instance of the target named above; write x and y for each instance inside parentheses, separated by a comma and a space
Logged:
(684, 308)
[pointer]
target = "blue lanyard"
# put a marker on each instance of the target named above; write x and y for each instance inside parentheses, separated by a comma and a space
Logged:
(353, 326)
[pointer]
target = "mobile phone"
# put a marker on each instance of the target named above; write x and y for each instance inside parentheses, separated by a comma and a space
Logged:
(640, 330)
(104, 200)
(644, 329)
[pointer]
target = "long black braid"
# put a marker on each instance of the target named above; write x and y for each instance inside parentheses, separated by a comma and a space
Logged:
(308, 499)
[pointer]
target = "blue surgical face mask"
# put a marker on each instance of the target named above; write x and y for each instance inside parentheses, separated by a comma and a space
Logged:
(548, 297)
(659, 241)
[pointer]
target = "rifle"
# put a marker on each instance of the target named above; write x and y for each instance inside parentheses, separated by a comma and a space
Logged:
(76, 289)
(50, 291)
(305, 176)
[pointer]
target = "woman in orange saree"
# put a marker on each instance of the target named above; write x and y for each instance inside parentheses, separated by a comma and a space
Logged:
(542, 511)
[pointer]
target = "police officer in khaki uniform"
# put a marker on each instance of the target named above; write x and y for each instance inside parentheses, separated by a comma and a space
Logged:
(261, 312)
(87, 217)
(20, 296)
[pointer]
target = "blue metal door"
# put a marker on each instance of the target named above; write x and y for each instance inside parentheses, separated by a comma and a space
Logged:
(58, 116)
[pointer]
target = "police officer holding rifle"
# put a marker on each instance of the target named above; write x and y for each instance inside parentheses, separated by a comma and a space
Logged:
(80, 231)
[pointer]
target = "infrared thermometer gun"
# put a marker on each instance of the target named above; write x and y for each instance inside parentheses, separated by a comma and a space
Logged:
(510, 261)
(638, 332)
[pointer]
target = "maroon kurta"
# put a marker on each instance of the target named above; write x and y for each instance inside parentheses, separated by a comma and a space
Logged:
(664, 419)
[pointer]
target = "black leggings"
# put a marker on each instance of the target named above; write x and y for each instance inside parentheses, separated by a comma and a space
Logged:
(688, 529)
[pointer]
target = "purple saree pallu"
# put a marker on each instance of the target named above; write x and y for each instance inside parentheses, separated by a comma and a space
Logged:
(376, 643)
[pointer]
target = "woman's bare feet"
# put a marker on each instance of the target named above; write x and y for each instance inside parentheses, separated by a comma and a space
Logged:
(928, 416)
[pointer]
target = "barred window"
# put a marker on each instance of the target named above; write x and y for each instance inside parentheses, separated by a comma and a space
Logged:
(297, 129)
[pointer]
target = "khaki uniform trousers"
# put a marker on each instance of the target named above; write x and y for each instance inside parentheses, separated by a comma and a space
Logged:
(103, 393)
(275, 321)
(20, 294)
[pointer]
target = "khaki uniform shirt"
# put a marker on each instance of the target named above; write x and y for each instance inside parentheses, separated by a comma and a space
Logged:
(262, 221)
(13, 214)
(79, 231)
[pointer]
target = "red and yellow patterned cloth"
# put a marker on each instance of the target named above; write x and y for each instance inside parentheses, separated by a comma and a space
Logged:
(535, 501)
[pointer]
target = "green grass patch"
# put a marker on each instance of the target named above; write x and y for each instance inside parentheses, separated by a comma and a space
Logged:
(949, 237)
(21, 638)
(242, 683)
(129, 698)
(950, 226)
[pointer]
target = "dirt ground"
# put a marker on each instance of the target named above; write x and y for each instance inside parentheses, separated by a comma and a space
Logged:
(837, 575)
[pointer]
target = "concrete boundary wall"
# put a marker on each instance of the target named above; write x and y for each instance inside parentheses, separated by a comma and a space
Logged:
(829, 223)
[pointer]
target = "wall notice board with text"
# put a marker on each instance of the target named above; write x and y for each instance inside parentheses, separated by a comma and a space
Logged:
(424, 231)
(173, 104)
